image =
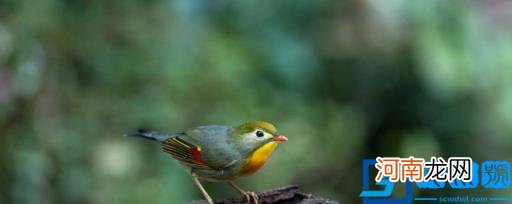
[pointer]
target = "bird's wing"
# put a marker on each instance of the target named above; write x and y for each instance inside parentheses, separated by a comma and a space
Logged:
(206, 147)
(184, 151)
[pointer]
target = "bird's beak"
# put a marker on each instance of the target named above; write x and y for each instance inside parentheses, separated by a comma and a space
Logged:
(280, 138)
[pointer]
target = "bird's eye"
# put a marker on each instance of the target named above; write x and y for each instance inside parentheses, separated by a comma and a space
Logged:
(259, 133)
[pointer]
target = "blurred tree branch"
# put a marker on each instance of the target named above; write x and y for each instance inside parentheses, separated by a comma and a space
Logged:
(285, 194)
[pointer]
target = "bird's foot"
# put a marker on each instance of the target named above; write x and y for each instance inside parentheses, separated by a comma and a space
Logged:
(251, 196)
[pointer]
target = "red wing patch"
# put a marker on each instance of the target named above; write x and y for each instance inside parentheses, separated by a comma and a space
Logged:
(196, 154)
(185, 152)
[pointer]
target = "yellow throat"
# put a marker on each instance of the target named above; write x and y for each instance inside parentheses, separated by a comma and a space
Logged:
(258, 158)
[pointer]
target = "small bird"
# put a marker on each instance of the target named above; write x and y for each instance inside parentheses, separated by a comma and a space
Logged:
(220, 153)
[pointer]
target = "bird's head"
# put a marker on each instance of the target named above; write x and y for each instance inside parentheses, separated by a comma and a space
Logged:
(255, 134)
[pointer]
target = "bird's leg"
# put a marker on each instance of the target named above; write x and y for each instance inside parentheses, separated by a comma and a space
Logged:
(247, 194)
(208, 198)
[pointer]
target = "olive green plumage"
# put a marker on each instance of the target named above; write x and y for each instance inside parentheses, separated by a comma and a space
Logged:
(216, 152)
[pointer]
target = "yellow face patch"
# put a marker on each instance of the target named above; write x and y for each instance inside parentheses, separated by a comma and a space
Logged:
(258, 158)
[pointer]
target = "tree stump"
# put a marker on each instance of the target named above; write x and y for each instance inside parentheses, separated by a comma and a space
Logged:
(287, 194)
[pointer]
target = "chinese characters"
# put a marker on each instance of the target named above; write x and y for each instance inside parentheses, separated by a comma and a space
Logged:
(413, 169)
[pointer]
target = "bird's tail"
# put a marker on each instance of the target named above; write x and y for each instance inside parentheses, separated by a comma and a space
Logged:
(152, 135)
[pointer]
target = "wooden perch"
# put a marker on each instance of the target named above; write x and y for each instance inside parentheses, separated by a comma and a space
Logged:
(286, 194)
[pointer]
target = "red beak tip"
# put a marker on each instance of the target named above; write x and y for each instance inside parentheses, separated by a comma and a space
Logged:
(281, 138)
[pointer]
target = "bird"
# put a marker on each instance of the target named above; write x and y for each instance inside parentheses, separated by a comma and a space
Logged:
(220, 153)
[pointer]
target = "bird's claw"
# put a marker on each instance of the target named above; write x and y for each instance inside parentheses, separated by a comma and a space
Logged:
(251, 196)
(255, 197)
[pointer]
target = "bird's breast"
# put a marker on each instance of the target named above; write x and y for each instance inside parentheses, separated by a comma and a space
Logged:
(258, 158)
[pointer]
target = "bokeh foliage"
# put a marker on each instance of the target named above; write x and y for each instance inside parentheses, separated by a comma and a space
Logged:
(344, 80)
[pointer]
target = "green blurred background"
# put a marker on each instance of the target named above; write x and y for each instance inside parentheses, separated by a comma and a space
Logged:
(344, 80)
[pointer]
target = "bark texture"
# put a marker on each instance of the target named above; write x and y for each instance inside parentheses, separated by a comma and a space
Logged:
(287, 194)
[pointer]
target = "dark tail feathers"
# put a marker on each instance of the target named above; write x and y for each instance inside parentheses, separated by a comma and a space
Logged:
(152, 135)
